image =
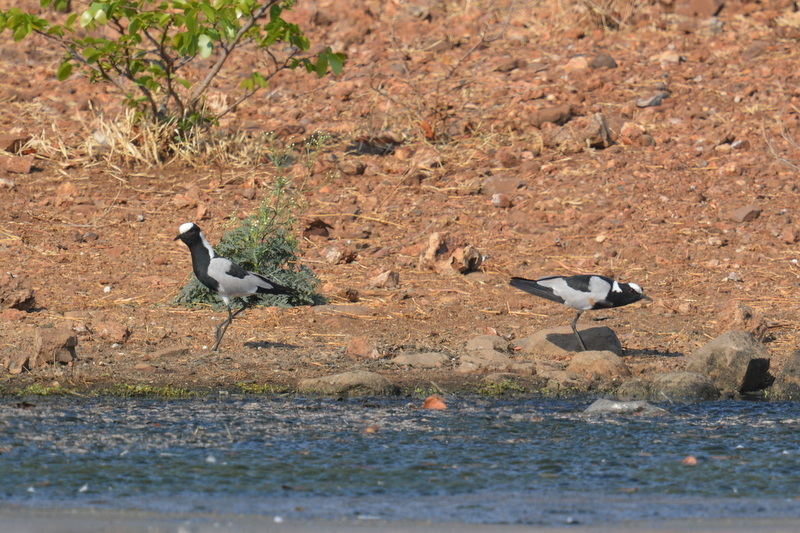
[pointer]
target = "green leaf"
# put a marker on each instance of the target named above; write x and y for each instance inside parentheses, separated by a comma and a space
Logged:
(337, 62)
(205, 46)
(64, 70)
(21, 31)
(210, 12)
(322, 64)
(86, 18)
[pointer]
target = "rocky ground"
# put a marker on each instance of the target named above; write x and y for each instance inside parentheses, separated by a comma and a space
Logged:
(661, 151)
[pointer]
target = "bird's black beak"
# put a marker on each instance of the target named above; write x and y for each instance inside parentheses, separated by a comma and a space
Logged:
(645, 297)
(176, 238)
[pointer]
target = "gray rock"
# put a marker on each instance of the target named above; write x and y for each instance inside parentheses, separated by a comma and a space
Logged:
(787, 384)
(669, 386)
(501, 185)
(599, 364)
(561, 340)
(477, 360)
(612, 407)
(486, 342)
(562, 380)
(735, 362)
(602, 61)
(421, 360)
(349, 384)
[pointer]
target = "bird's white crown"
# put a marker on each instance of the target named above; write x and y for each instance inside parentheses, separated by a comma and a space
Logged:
(185, 227)
(635, 287)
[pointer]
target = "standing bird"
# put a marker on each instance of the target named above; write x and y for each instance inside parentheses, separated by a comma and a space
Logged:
(223, 276)
(582, 292)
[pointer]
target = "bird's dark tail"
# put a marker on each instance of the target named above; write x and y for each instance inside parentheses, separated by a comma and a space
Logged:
(532, 286)
(527, 285)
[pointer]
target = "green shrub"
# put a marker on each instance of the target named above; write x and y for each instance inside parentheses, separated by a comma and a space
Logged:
(265, 241)
(144, 48)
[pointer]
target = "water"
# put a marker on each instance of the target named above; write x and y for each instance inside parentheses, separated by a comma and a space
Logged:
(534, 461)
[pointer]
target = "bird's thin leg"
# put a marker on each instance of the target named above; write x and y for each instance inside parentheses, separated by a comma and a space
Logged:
(575, 330)
(223, 327)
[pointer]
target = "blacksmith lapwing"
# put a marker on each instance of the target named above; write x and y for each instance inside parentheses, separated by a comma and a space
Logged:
(582, 292)
(223, 276)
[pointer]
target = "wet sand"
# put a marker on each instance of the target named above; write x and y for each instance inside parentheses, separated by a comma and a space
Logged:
(21, 520)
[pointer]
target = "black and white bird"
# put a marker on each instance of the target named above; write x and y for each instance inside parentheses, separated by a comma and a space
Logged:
(582, 292)
(223, 276)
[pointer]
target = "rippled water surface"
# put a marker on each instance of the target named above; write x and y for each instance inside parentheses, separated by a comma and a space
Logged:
(531, 462)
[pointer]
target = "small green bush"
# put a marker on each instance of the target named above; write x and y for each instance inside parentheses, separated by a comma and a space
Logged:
(265, 241)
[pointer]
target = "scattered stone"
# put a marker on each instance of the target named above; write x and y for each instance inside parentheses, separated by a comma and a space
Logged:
(701, 8)
(652, 101)
(17, 164)
(790, 234)
(337, 254)
(481, 360)
(501, 185)
(558, 115)
(349, 384)
(450, 255)
(352, 168)
(787, 384)
(684, 386)
(738, 316)
(421, 360)
(558, 380)
(361, 348)
(669, 386)
(561, 340)
(577, 63)
(579, 134)
(612, 407)
(145, 368)
(434, 403)
(113, 332)
(51, 346)
(14, 294)
(7, 184)
(486, 342)
(602, 61)
(385, 280)
(12, 315)
(746, 213)
(507, 65)
(317, 228)
(735, 362)
(604, 365)
(501, 200)
(12, 144)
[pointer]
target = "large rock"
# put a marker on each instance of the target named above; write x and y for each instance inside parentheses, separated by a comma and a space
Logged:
(611, 407)
(14, 294)
(349, 384)
(486, 342)
(604, 365)
(480, 360)
(50, 346)
(421, 360)
(787, 384)
(669, 386)
(735, 361)
(561, 340)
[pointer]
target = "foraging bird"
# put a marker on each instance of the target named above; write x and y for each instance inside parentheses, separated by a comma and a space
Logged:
(223, 276)
(582, 292)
